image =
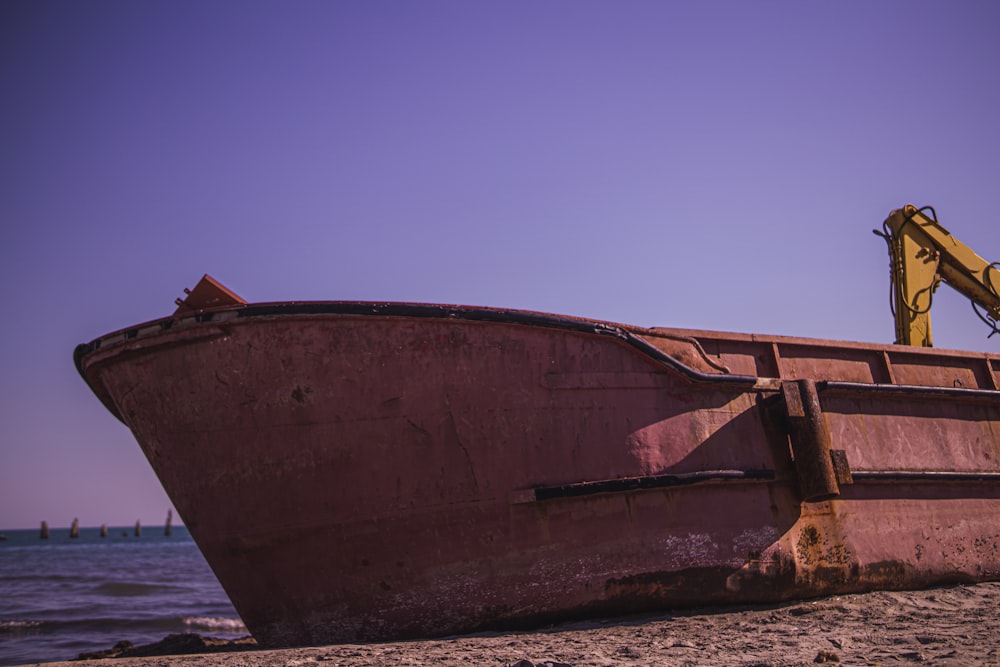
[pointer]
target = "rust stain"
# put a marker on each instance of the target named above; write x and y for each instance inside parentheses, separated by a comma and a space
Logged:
(299, 394)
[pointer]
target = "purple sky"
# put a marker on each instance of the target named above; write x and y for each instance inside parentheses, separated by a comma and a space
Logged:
(713, 165)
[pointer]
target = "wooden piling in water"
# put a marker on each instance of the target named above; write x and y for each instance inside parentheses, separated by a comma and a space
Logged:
(74, 530)
(104, 530)
(45, 531)
(168, 530)
(138, 528)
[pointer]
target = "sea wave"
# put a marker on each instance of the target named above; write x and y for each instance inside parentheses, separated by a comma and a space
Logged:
(215, 624)
(132, 589)
(60, 599)
(19, 577)
(18, 625)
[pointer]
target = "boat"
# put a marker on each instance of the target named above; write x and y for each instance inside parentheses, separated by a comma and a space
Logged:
(362, 471)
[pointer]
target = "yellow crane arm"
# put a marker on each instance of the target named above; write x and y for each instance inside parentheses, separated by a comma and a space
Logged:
(922, 253)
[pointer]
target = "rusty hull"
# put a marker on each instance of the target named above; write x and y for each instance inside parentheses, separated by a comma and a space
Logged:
(365, 472)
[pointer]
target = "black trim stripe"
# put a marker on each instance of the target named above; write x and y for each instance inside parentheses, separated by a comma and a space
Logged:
(516, 317)
(908, 390)
(924, 476)
(648, 482)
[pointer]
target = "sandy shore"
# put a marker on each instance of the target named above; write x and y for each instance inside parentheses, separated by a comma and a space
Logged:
(957, 625)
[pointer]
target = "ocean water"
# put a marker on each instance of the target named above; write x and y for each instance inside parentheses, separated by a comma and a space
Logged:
(61, 597)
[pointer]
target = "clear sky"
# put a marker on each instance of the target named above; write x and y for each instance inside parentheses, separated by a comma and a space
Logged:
(714, 165)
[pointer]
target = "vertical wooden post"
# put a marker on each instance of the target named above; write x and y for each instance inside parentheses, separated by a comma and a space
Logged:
(74, 530)
(104, 530)
(45, 531)
(169, 529)
(138, 528)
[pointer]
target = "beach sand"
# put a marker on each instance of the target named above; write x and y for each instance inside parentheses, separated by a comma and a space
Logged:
(958, 625)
